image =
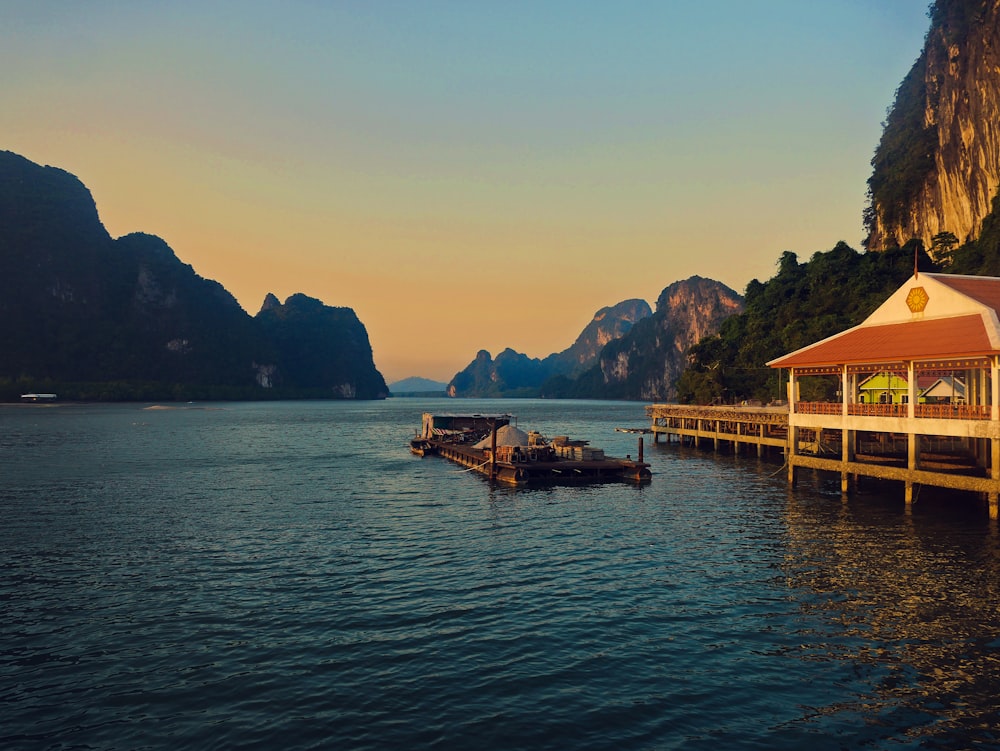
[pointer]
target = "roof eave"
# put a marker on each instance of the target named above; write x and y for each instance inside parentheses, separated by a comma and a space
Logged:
(890, 359)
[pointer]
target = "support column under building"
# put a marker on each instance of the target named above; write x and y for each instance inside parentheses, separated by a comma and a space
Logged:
(793, 431)
(846, 436)
(912, 439)
(993, 497)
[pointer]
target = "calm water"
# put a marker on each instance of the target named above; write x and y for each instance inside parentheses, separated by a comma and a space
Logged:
(289, 576)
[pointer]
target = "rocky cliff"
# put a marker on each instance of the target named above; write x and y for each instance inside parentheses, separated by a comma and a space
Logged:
(321, 350)
(608, 324)
(937, 167)
(646, 363)
(642, 363)
(515, 374)
(92, 317)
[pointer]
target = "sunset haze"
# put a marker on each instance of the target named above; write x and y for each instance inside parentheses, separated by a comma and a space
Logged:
(463, 175)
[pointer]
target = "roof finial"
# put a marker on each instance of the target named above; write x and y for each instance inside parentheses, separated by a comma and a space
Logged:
(916, 273)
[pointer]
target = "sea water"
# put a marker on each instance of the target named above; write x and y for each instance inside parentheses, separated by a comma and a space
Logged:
(288, 575)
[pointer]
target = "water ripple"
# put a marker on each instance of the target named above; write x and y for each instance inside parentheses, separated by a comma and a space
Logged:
(287, 576)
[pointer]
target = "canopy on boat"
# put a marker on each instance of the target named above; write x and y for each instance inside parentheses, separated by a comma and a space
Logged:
(507, 435)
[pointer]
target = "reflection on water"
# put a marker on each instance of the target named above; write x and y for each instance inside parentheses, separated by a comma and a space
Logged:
(912, 602)
(289, 576)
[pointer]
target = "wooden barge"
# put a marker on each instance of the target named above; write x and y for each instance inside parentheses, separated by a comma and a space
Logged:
(494, 447)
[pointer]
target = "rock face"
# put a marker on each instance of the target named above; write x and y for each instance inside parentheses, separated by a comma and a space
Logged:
(607, 325)
(516, 374)
(324, 350)
(510, 374)
(93, 317)
(643, 362)
(646, 363)
(937, 167)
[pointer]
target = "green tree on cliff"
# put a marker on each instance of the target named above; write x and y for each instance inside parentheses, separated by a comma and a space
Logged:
(801, 304)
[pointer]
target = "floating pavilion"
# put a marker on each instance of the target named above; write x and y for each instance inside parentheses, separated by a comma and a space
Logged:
(935, 327)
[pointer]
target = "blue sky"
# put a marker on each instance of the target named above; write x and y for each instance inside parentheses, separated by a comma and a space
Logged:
(404, 158)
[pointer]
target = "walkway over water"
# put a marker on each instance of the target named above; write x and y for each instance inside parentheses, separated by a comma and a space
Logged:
(945, 446)
(760, 427)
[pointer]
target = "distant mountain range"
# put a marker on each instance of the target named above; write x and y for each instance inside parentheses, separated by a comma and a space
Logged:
(516, 374)
(626, 352)
(646, 363)
(416, 386)
(91, 317)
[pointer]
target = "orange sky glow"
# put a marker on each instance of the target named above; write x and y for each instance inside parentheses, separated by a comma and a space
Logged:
(465, 176)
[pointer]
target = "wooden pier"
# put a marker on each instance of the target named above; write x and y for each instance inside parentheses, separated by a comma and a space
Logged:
(757, 428)
(957, 451)
(911, 394)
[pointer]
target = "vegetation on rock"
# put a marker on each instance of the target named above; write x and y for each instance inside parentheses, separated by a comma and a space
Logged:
(982, 255)
(802, 304)
(904, 157)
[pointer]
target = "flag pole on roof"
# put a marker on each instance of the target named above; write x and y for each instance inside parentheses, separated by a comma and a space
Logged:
(916, 273)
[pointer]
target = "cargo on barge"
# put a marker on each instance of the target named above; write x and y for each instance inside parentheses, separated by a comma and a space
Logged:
(495, 447)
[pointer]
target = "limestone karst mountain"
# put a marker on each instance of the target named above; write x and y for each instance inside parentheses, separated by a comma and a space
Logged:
(641, 362)
(937, 168)
(516, 374)
(93, 317)
(646, 363)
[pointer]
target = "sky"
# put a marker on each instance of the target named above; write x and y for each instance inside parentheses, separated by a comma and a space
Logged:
(464, 174)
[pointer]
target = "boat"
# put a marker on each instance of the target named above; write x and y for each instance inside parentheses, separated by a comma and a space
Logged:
(493, 446)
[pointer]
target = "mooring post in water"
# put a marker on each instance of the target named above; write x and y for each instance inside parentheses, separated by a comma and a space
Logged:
(493, 452)
(640, 449)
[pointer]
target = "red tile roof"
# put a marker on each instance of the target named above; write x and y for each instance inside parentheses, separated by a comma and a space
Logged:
(984, 289)
(961, 336)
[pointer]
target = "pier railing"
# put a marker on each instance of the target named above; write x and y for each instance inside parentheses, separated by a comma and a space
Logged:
(819, 408)
(955, 411)
(768, 415)
(946, 411)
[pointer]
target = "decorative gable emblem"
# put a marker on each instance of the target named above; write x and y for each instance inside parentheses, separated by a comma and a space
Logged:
(916, 301)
